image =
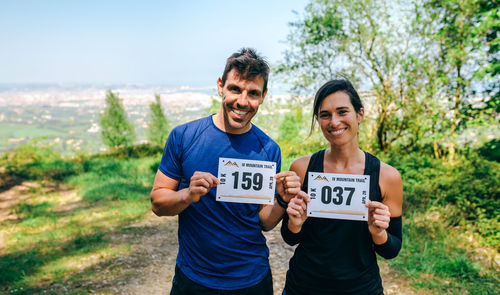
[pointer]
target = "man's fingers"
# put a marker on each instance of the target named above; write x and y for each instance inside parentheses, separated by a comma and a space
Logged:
(283, 174)
(208, 178)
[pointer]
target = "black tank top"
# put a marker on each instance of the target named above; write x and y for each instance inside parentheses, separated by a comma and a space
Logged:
(336, 256)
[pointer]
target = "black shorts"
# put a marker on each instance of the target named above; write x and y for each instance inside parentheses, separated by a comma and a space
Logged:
(182, 285)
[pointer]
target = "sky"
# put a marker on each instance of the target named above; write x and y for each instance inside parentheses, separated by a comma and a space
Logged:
(176, 43)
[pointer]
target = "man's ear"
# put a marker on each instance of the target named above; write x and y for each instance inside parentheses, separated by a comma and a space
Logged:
(220, 85)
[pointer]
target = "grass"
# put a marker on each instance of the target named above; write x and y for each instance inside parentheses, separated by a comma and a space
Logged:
(61, 236)
(443, 259)
(65, 233)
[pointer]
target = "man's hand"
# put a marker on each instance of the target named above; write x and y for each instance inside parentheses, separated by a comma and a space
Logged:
(287, 184)
(199, 185)
(379, 217)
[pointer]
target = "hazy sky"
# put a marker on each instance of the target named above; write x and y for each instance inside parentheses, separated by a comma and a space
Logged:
(153, 42)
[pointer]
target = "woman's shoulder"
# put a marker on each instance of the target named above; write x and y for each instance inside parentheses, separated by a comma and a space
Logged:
(389, 173)
(299, 165)
(391, 186)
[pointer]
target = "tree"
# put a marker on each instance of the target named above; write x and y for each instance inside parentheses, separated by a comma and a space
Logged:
(465, 36)
(116, 131)
(365, 41)
(158, 126)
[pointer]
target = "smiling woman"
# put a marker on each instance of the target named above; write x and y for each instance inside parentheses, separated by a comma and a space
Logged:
(337, 256)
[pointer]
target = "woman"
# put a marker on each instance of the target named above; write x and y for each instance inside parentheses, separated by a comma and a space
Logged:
(338, 256)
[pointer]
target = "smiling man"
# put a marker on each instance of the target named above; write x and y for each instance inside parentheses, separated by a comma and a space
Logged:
(221, 246)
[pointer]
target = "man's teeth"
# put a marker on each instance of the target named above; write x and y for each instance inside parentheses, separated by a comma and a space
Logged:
(239, 113)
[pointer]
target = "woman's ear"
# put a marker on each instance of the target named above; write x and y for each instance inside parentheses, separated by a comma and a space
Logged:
(360, 115)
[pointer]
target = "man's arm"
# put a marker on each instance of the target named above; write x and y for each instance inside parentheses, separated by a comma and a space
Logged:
(287, 186)
(166, 200)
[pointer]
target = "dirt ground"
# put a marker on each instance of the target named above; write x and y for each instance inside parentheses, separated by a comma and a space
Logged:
(159, 247)
(149, 267)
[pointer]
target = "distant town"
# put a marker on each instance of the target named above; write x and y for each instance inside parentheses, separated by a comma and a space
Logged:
(68, 115)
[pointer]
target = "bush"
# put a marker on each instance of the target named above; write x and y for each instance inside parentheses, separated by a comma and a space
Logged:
(491, 150)
(38, 160)
(469, 190)
(132, 152)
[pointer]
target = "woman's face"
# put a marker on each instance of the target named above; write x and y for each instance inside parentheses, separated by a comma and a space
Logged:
(338, 120)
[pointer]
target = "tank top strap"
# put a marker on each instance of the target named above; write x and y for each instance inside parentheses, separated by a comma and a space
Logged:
(315, 165)
(372, 168)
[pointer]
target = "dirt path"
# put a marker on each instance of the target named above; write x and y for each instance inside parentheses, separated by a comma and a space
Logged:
(148, 269)
(159, 247)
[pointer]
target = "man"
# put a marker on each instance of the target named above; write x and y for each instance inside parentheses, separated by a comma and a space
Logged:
(221, 246)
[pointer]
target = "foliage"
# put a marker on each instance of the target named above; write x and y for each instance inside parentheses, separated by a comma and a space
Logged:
(364, 41)
(491, 150)
(428, 66)
(469, 190)
(38, 160)
(291, 126)
(214, 106)
(437, 257)
(116, 130)
(158, 126)
(457, 30)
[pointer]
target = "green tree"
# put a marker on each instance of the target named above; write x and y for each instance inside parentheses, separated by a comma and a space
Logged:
(116, 131)
(366, 41)
(158, 126)
(464, 35)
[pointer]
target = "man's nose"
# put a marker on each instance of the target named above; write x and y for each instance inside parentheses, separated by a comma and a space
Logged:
(242, 101)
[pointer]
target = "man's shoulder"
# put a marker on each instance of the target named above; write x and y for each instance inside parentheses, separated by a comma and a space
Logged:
(192, 126)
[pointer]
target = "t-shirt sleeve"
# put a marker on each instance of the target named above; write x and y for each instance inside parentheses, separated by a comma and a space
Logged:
(277, 159)
(170, 163)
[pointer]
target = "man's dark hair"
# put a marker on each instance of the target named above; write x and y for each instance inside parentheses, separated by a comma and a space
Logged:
(248, 64)
(333, 86)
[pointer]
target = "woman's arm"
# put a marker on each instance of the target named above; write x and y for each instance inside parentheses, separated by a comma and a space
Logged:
(384, 218)
(291, 225)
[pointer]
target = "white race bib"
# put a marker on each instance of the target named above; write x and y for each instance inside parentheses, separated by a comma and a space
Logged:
(246, 181)
(338, 196)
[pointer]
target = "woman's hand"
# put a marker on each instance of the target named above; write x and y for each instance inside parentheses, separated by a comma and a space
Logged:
(379, 217)
(297, 211)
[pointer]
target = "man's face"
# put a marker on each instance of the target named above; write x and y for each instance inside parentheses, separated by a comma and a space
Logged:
(240, 101)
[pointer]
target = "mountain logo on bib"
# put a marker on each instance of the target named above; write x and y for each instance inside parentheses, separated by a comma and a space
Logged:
(321, 178)
(229, 163)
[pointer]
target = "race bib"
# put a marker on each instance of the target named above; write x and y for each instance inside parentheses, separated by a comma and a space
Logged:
(338, 196)
(246, 181)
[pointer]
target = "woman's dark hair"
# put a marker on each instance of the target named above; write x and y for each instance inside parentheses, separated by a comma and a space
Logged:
(332, 87)
(248, 64)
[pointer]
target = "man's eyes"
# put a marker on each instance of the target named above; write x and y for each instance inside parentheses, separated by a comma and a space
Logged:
(254, 93)
(234, 89)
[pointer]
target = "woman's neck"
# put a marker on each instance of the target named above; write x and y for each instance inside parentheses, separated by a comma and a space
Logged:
(344, 159)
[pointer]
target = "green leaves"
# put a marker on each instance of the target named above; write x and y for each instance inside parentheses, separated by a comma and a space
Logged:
(116, 130)
(158, 126)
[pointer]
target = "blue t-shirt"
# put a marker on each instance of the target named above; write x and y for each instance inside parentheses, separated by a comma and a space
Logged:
(221, 244)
